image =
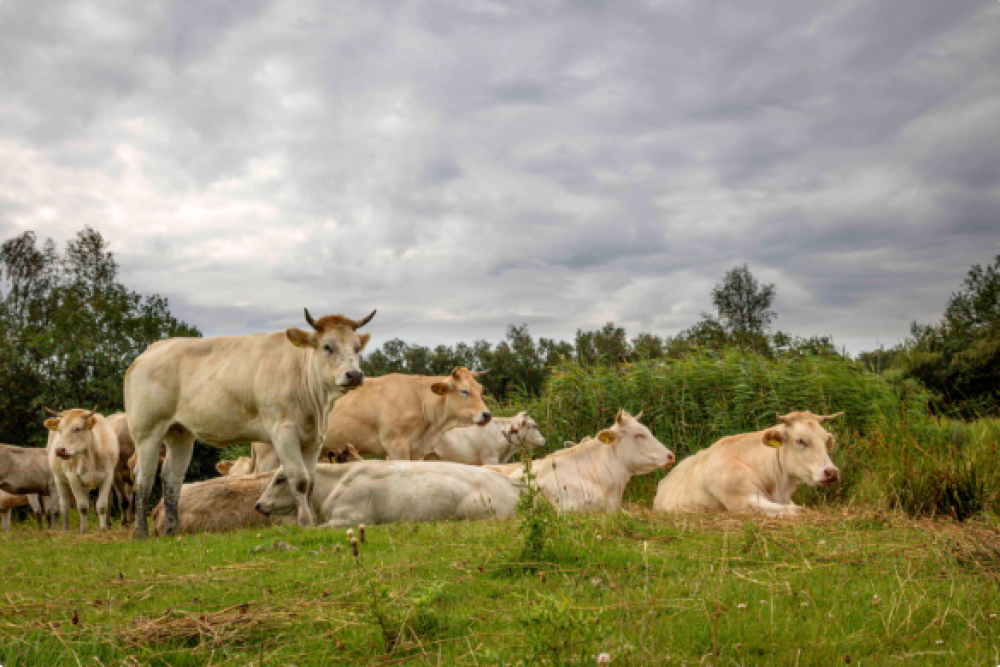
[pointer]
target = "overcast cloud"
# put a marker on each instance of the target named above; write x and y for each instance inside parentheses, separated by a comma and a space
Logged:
(465, 165)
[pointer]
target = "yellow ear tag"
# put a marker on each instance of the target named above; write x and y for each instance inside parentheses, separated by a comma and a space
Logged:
(773, 442)
(605, 438)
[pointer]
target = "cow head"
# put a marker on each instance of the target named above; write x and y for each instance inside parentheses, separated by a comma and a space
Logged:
(239, 467)
(463, 398)
(805, 447)
(524, 430)
(635, 446)
(278, 498)
(76, 431)
(337, 345)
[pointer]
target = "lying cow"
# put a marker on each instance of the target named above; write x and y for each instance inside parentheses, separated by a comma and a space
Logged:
(83, 455)
(9, 501)
(278, 388)
(25, 471)
(497, 442)
(220, 504)
(374, 492)
(591, 476)
(235, 468)
(402, 417)
(753, 472)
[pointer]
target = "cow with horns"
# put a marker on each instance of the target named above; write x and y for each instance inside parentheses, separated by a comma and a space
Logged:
(277, 388)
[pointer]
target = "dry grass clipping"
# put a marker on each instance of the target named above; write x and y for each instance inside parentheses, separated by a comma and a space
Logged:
(221, 627)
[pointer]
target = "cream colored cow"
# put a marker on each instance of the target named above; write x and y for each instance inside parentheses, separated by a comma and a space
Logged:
(220, 504)
(277, 388)
(753, 472)
(591, 476)
(402, 417)
(8, 501)
(497, 442)
(83, 455)
(374, 492)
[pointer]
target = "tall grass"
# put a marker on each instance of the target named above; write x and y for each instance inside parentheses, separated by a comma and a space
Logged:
(892, 454)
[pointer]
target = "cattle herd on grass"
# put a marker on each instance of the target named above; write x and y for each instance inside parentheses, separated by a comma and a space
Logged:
(300, 397)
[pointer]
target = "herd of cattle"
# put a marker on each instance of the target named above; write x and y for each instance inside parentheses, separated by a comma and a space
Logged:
(301, 398)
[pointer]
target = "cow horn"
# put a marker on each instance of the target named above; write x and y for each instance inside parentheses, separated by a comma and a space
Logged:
(366, 320)
(825, 418)
(52, 412)
(93, 411)
(782, 418)
(639, 416)
(480, 374)
(310, 320)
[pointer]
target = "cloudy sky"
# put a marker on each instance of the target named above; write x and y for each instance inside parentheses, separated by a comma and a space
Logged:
(464, 165)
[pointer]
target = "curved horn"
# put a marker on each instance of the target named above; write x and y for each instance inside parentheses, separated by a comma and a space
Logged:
(480, 374)
(825, 418)
(310, 320)
(639, 416)
(366, 320)
(52, 412)
(93, 411)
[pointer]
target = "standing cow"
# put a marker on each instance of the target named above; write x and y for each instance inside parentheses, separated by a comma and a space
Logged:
(83, 454)
(8, 501)
(278, 388)
(753, 472)
(402, 417)
(25, 471)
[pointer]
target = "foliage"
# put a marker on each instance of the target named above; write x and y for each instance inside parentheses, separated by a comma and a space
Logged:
(743, 304)
(68, 330)
(539, 520)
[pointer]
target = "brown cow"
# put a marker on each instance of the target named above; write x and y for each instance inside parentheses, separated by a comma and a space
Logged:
(403, 416)
(25, 471)
(219, 504)
(277, 388)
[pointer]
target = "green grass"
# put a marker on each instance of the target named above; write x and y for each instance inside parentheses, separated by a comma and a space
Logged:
(645, 588)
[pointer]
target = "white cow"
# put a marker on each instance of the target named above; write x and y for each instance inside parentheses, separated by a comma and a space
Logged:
(497, 442)
(591, 476)
(374, 492)
(8, 501)
(753, 472)
(83, 454)
(277, 388)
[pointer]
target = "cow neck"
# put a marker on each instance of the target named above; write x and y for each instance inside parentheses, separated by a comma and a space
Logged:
(595, 460)
(327, 476)
(508, 444)
(315, 394)
(784, 486)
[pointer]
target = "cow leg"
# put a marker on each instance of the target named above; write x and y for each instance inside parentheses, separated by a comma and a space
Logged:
(63, 490)
(82, 499)
(147, 455)
(104, 499)
(180, 447)
(124, 494)
(297, 462)
(6, 519)
(36, 509)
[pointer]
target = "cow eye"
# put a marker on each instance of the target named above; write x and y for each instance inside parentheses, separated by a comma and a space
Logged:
(280, 480)
(640, 436)
(800, 442)
(328, 348)
(465, 392)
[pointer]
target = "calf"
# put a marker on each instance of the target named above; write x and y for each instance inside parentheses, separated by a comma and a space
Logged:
(25, 471)
(83, 455)
(591, 476)
(497, 442)
(220, 504)
(753, 472)
(374, 492)
(402, 417)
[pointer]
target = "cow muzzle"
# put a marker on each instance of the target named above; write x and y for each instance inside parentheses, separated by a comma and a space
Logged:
(63, 454)
(263, 509)
(670, 460)
(483, 418)
(352, 379)
(830, 476)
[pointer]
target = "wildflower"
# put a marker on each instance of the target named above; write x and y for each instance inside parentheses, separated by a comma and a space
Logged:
(804, 604)
(604, 659)
(741, 606)
(993, 615)
(940, 641)
(361, 533)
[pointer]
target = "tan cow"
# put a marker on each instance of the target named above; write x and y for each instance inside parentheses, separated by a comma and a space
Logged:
(25, 471)
(83, 454)
(8, 501)
(374, 492)
(220, 504)
(497, 442)
(403, 416)
(277, 388)
(263, 459)
(238, 468)
(753, 472)
(591, 476)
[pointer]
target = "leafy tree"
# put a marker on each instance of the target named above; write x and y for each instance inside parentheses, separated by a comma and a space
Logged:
(743, 304)
(648, 346)
(68, 330)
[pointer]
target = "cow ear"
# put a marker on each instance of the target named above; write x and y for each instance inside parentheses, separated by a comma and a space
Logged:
(52, 423)
(90, 422)
(608, 437)
(224, 467)
(364, 338)
(440, 388)
(773, 437)
(300, 338)
(513, 428)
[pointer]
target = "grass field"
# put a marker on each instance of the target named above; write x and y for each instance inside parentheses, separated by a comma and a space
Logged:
(832, 588)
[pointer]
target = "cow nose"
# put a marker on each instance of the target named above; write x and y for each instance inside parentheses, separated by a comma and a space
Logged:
(485, 418)
(671, 458)
(260, 508)
(355, 377)
(62, 453)
(831, 475)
